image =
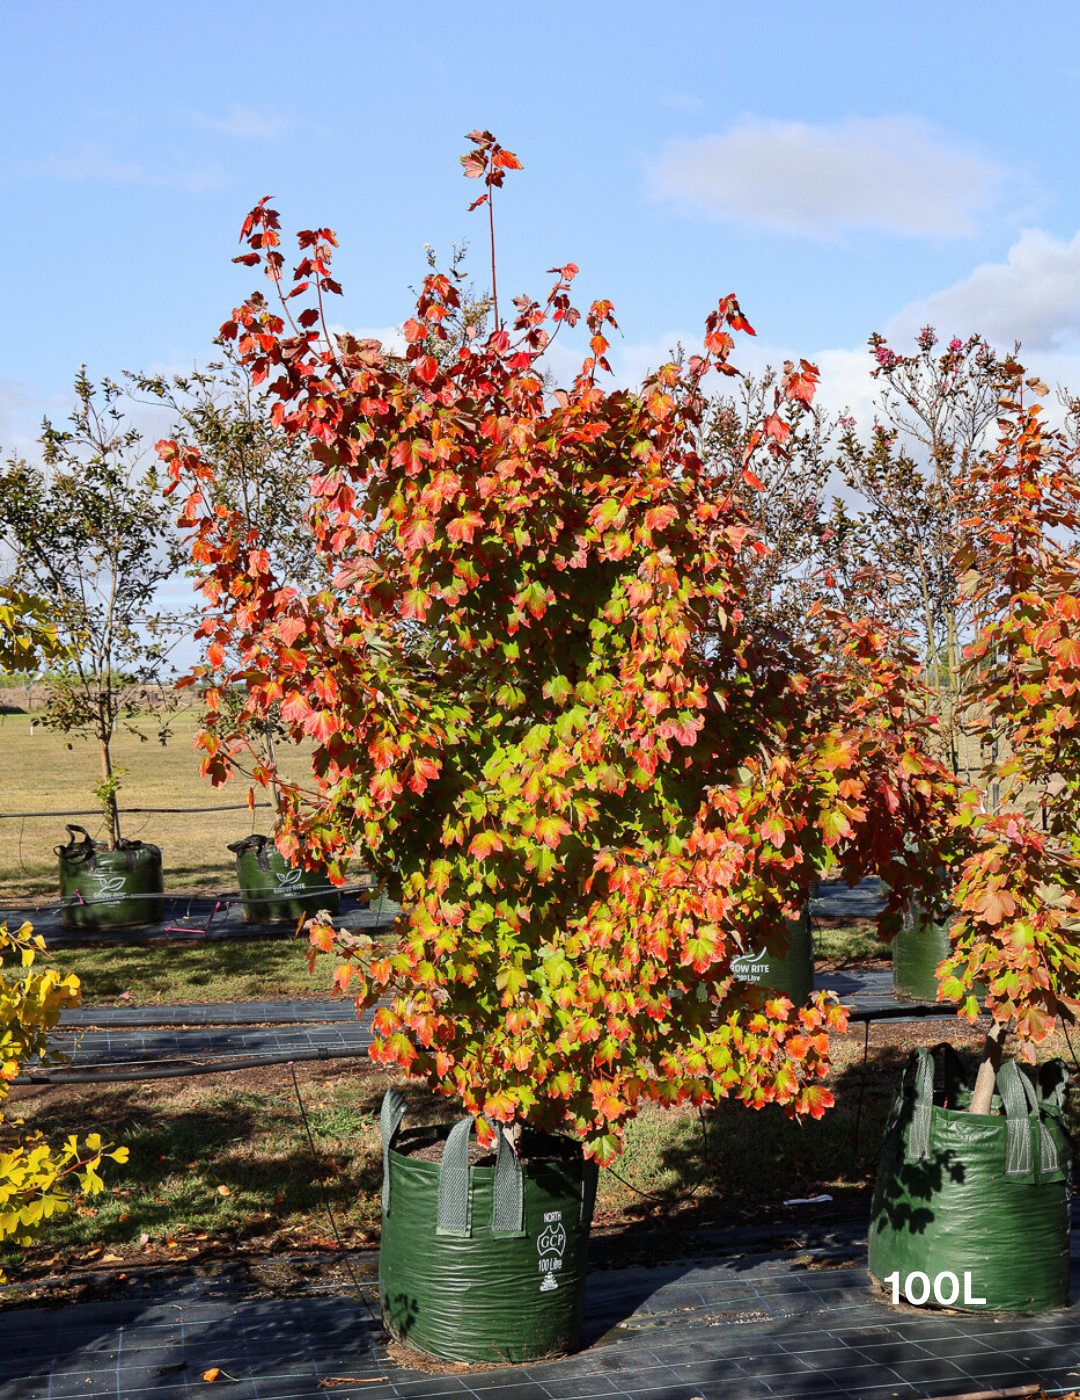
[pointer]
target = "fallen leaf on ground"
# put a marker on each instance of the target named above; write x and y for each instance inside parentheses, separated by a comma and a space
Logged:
(330, 1381)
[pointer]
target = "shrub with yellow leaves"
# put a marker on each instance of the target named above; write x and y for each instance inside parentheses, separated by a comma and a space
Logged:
(38, 1179)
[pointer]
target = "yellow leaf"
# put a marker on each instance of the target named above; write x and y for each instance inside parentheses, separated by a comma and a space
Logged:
(224, 1191)
(212, 1374)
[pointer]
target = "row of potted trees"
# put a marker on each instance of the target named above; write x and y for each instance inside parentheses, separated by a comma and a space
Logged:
(540, 715)
(103, 888)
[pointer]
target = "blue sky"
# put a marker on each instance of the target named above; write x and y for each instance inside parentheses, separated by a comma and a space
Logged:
(842, 168)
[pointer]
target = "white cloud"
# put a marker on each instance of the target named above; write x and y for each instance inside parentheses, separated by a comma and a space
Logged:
(1033, 297)
(22, 407)
(93, 162)
(896, 174)
(246, 123)
(683, 101)
(392, 338)
(90, 163)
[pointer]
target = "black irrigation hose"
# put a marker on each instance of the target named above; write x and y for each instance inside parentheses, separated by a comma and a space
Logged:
(939, 1012)
(1069, 1043)
(141, 811)
(689, 1190)
(351, 1053)
(326, 1198)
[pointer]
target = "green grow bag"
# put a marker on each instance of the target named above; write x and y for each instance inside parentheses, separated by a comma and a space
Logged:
(921, 944)
(792, 975)
(482, 1263)
(274, 892)
(102, 889)
(973, 1211)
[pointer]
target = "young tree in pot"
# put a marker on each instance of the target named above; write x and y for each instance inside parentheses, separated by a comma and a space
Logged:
(89, 531)
(274, 890)
(592, 786)
(934, 423)
(964, 1191)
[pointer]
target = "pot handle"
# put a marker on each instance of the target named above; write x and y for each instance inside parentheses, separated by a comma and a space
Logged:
(455, 1197)
(590, 1175)
(919, 1136)
(87, 841)
(393, 1111)
(1023, 1111)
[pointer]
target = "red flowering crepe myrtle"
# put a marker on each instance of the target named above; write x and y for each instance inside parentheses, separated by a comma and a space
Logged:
(538, 715)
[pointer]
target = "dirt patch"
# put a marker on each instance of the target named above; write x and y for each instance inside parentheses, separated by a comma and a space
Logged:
(410, 1360)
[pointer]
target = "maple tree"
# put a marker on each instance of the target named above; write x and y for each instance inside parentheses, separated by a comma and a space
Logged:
(934, 420)
(538, 709)
(1017, 893)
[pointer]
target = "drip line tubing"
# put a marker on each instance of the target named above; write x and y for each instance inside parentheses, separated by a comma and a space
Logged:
(229, 897)
(142, 811)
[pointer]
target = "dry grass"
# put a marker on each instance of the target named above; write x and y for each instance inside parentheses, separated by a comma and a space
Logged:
(172, 974)
(42, 771)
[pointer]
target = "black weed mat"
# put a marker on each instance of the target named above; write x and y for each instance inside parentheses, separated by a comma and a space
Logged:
(754, 1322)
(188, 916)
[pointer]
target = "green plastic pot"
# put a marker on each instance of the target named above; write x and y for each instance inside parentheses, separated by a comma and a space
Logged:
(921, 944)
(917, 950)
(482, 1263)
(102, 889)
(274, 892)
(972, 1211)
(790, 975)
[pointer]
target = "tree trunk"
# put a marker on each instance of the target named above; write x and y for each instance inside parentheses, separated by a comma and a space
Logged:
(275, 786)
(112, 812)
(993, 1054)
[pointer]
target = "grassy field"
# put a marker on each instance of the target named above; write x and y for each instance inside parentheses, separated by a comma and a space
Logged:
(273, 969)
(264, 969)
(41, 771)
(844, 943)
